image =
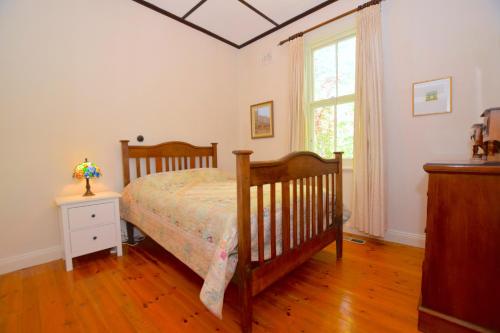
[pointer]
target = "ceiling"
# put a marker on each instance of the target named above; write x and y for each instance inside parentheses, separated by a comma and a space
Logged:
(235, 22)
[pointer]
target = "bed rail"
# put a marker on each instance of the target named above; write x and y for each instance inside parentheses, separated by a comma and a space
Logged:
(311, 215)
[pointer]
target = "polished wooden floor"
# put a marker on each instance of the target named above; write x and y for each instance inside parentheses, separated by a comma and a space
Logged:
(375, 288)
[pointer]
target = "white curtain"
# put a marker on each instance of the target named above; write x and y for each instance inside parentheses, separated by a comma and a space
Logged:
(368, 192)
(298, 125)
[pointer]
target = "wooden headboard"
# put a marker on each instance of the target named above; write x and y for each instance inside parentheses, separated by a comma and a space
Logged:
(167, 156)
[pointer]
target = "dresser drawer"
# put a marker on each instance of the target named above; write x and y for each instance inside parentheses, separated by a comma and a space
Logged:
(91, 216)
(94, 239)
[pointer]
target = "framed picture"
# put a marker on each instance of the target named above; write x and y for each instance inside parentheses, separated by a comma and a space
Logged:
(432, 97)
(262, 122)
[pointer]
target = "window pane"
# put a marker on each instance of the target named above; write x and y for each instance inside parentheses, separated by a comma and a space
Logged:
(324, 131)
(333, 72)
(345, 129)
(324, 71)
(347, 65)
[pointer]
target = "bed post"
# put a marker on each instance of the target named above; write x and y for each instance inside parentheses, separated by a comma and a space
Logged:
(214, 154)
(243, 269)
(126, 181)
(339, 208)
(125, 162)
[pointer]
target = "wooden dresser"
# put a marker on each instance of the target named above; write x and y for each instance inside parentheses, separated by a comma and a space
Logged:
(461, 269)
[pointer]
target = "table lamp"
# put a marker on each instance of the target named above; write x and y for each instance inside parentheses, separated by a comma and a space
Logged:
(87, 170)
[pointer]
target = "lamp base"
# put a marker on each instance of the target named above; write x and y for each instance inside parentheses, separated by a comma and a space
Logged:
(88, 193)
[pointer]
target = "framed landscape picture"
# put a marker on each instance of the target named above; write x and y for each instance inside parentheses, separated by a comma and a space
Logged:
(432, 97)
(262, 122)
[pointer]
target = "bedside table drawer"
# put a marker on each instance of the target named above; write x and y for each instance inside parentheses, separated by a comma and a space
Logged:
(93, 239)
(91, 216)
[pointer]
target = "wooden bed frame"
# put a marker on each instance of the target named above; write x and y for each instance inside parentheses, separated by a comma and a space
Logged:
(320, 176)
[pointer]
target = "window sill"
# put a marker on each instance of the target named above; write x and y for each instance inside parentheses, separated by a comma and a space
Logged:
(347, 164)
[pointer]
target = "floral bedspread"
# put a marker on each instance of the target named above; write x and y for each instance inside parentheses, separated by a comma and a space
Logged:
(192, 214)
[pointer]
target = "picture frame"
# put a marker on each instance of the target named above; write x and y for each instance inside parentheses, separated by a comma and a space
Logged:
(262, 120)
(432, 97)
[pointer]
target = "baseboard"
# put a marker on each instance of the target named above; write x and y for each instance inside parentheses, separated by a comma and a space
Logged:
(406, 238)
(395, 236)
(29, 259)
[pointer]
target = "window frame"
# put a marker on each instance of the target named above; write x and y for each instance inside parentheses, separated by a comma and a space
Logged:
(309, 103)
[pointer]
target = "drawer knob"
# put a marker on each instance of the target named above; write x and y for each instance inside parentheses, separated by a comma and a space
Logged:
(93, 215)
(94, 238)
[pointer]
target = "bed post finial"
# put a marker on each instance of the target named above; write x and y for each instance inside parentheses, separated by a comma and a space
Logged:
(214, 154)
(125, 162)
(339, 207)
(243, 270)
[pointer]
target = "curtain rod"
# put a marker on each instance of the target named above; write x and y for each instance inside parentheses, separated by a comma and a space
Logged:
(360, 7)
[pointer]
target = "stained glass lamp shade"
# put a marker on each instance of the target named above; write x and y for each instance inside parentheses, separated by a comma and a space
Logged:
(87, 170)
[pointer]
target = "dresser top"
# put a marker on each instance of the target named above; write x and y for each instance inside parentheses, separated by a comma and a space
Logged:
(73, 199)
(481, 167)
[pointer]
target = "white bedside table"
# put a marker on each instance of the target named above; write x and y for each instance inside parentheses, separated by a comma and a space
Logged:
(89, 224)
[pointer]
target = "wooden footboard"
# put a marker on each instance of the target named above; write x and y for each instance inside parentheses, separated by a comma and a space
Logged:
(308, 222)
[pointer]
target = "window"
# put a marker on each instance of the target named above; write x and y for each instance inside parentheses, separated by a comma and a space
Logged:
(330, 87)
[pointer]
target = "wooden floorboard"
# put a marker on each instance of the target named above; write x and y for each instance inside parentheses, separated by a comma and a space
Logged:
(374, 288)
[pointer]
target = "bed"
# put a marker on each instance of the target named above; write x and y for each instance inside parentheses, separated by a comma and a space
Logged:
(252, 229)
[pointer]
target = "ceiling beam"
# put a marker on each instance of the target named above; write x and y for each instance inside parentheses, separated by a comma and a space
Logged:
(183, 21)
(194, 8)
(222, 39)
(258, 12)
(290, 21)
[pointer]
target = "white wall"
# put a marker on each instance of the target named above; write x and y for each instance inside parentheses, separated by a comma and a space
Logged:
(78, 76)
(422, 39)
